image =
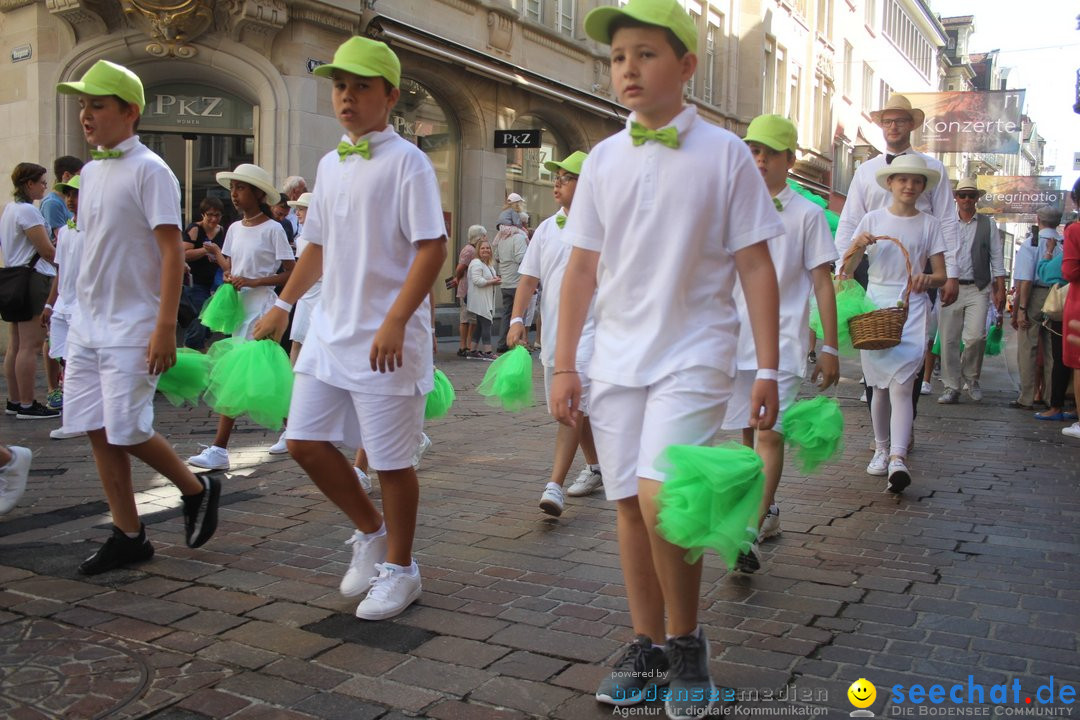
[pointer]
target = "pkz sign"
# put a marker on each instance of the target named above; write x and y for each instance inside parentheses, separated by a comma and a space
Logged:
(188, 107)
(517, 138)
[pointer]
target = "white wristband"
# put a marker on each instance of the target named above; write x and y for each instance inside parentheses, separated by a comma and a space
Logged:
(766, 374)
(517, 320)
(279, 303)
(829, 350)
(48, 306)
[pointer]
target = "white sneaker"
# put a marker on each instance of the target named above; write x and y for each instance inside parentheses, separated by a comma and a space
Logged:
(770, 525)
(1072, 431)
(367, 552)
(899, 477)
(13, 477)
(279, 448)
(393, 590)
(926, 388)
(211, 458)
(588, 481)
(862, 398)
(879, 465)
(551, 501)
(974, 391)
(60, 434)
(364, 478)
(425, 445)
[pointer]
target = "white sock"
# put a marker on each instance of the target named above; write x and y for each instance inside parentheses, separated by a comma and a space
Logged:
(132, 536)
(595, 468)
(555, 485)
(378, 533)
(412, 570)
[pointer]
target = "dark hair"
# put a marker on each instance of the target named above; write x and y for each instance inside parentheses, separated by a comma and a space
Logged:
(124, 105)
(623, 21)
(211, 203)
(24, 173)
(1076, 192)
(66, 164)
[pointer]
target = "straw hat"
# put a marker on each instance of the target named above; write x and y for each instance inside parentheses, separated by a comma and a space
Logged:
(968, 183)
(252, 175)
(303, 201)
(908, 165)
(899, 102)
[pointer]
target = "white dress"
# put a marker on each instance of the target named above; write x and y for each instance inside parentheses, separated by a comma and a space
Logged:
(922, 237)
(306, 305)
(256, 252)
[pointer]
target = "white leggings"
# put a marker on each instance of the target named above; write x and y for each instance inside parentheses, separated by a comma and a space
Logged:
(892, 415)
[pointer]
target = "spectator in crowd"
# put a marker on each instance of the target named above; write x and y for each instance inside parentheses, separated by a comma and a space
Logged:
(52, 208)
(510, 245)
(202, 240)
(291, 190)
(481, 301)
(460, 283)
(1028, 316)
(1070, 271)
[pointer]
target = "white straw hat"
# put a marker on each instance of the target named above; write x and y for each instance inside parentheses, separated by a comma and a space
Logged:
(303, 201)
(252, 175)
(908, 165)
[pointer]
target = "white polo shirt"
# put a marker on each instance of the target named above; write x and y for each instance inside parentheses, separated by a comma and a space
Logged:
(368, 216)
(667, 223)
(118, 290)
(69, 242)
(256, 252)
(805, 244)
(17, 249)
(546, 259)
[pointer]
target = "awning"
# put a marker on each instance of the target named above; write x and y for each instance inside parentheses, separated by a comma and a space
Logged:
(394, 32)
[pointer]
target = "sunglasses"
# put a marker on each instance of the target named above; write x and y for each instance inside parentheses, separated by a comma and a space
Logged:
(967, 195)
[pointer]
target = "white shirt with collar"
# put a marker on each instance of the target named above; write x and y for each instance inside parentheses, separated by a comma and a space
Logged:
(865, 195)
(368, 216)
(666, 223)
(966, 237)
(121, 201)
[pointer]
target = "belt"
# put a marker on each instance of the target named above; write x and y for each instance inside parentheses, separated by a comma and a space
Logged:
(966, 282)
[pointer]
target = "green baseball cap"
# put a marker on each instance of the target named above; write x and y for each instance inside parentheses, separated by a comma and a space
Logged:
(107, 78)
(571, 163)
(364, 57)
(773, 131)
(662, 13)
(71, 184)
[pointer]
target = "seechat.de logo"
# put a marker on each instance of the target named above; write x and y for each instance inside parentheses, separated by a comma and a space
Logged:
(862, 694)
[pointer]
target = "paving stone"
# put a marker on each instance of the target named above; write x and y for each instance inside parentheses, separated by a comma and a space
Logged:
(214, 703)
(387, 692)
(461, 651)
(335, 706)
(266, 688)
(440, 676)
(529, 666)
(525, 695)
(554, 642)
(457, 710)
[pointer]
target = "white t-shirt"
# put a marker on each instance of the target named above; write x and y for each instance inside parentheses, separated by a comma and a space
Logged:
(314, 290)
(17, 249)
(805, 244)
(257, 251)
(118, 289)
(368, 215)
(666, 223)
(546, 259)
(69, 246)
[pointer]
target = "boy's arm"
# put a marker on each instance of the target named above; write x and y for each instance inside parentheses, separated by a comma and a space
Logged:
(518, 335)
(161, 354)
(756, 271)
(387, 348)
(307, 270)
(54, 292)
(828, 364)
(579, 285)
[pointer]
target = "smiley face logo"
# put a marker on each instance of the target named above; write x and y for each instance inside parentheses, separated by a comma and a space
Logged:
(862, 693)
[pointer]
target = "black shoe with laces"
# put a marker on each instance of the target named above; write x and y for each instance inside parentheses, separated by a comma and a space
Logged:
(201, 511)
(12, 408)
(119, 550)
(691, 692)
(639, 666)
(36, 411)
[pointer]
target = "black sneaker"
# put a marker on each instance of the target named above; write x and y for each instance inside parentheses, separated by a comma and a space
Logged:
(12, 408)
(36, 411)
(749, 560)
(462, 352)
(691, 692)
(641, 665)
(201, 511)
(119, 550)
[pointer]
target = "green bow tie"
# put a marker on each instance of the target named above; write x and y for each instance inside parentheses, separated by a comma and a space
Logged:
(665, 136)
(71, 223)
(779, 205)
(106, 154)
(345, 149)
(560, 220)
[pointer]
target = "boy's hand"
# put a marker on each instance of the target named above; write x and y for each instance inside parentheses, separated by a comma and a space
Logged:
(828, 367)
(566, 398)
(949, 292)
(161, 355)
(921, 282)
(272, 324)
(517, 335)
(764, 403)
(46, 316)
(387, 350)
(241, 282)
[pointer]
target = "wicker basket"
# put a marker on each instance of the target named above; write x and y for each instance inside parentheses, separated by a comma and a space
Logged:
(881, 329)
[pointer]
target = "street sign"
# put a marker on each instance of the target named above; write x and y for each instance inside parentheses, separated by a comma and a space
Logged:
(517, 138)
(1076, 161)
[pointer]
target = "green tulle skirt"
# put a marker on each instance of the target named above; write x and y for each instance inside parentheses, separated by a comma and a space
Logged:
(508, 381)
(185, 381)
(440, 398)
(252, 378)
(814, 429)
(224, 311)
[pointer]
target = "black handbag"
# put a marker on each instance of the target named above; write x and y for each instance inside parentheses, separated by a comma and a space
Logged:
(15, 291)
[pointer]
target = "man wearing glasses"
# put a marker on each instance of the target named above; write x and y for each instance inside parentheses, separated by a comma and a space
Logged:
(979, 259)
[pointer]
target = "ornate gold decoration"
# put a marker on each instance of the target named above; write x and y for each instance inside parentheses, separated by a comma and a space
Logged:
(171, 24)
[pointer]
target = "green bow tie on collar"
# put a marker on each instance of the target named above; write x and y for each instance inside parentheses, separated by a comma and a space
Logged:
(665, 136)
(560, 220)
(362, 148)
(779, 205)
(106, 154)
(71, 224)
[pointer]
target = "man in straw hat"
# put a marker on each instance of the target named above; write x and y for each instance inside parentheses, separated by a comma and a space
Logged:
(979, 259)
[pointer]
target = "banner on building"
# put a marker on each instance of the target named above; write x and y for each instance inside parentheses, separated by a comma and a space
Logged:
(984, 122)
(1016, 198)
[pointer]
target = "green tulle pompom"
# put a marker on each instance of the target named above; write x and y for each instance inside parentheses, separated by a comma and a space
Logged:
(710, 498)
(224, 311)
(935, 349)
(440, 398)
(851, 300)
(253, 379)
(185, 381)
(995, 342)
(834, 221)
(223, 347)
(814, 429)
(508, 382)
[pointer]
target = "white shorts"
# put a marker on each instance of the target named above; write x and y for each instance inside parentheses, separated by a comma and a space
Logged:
(738, 408)
(586, 384)
(633, 426)
(388, 427)
(58, 333)
(109, 388)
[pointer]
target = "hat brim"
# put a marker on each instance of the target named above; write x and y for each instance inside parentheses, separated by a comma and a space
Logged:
(296, 204)
(553, 166)
(78, 87)
(933, 177)
(598, 25)
(917, 115)
(768, 142)
(968, 189)
(359, 69)
(273, 197)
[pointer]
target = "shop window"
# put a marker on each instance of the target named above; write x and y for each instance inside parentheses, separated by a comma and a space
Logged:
(525, 171)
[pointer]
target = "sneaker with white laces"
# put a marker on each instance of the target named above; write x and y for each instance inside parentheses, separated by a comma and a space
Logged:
(974, 391)
(692, 692)
(1072, 431)
(899, 477)
(365, 480)
(879, 465)
(587, 482)
(367, 552)
(62, 434)
(926, 388)
(770, 524)
(13, 477)
(642, 664)
(279, 448)
(36, 411)
(55, 399)
(392, 590)
(551, 501)
(211, 458)
(423, 447)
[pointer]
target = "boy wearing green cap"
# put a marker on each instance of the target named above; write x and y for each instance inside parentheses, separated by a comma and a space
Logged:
(802, 257)
(666, 323)
(122, 334)
(376, 236)
(545, 262)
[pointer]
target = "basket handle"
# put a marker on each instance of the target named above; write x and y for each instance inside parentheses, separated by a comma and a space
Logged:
(907, 261)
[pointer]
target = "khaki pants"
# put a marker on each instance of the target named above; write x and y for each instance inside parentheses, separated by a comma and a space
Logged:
(1027, 343)
(964, 320)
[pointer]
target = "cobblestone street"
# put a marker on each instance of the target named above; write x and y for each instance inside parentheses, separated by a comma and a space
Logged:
(973, 572)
